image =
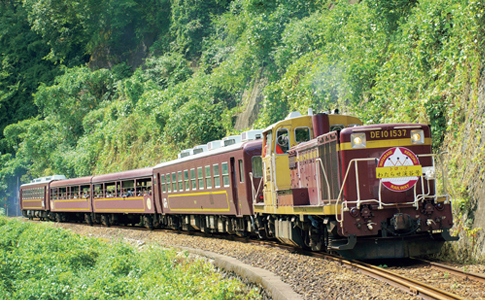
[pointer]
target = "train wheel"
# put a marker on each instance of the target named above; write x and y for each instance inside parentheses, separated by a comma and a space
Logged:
(105, 220)
(147, 222)
(58, 218)
(88, 219)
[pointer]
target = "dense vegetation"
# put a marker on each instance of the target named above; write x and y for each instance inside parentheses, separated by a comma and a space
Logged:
(92, 87)
(62, 265)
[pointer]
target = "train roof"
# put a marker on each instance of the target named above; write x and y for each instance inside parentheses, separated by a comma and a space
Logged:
(74, 181)
(145, 172)
(221, 150)
(44, 180)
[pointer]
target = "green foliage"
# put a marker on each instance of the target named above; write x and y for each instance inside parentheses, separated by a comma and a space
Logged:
(41, 262)
(22, 67)
(191, 23)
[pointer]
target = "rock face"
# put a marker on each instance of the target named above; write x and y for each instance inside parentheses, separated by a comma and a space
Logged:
(131, 51)
(467, 151)
(252, 104)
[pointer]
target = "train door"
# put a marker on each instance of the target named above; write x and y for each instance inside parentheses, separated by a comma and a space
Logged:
(234, 187)
(157, 193)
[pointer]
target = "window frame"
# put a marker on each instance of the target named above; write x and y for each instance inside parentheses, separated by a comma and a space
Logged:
(225, 176)
(309, 134)
(186, 180)
(180, 181)
(162, 181)
(193, 179)
(174, 182)
(208, 177)
(276, 141)
(253, 168)
(217, 177)
(240, 163)
(200, 177)
(169, 183)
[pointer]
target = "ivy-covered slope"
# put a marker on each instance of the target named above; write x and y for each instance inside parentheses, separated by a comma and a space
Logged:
(92, 107)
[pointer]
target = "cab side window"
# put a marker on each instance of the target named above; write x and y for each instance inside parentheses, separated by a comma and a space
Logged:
(268, 139)
(282, 141)
(302, 134)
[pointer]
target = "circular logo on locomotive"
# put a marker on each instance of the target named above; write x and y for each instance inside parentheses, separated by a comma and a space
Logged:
(399, 169)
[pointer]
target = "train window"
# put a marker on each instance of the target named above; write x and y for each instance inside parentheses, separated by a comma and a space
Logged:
(62, 193)
(200, 177)
(241, 171)
(268, 139)
(54, 194)
(181, 181)
(128, 188)
(119, 192)
(257, 166)
(144, 186)
(282, 141)
(217, 178)
(75, 192)
(225, 174)
(193, 179)
(186, 179)
(85, 191)
(174, 182)
(208, 177)
(110, 189)
(162, 178)
(302, 134)
(98, 191)
(169, 189)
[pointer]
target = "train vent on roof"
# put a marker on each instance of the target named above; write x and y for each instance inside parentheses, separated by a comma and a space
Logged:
(48, 178)
(231, 140)
(199, 149)
(292, 115)
(185, 153)
(214, 145)
(251, 135)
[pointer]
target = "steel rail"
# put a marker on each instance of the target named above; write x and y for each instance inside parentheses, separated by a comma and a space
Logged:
(407, 284)
(453, 270)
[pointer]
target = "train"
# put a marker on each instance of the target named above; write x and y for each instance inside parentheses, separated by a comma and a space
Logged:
(323, 182)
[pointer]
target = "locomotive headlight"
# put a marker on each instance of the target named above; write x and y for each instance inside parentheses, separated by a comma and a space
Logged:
(358, 140)
(417, 136)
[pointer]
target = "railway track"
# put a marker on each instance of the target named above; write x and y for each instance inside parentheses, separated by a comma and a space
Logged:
(455, 271)
(408, 285)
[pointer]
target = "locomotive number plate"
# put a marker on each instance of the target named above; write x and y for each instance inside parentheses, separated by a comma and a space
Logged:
(401, 171)
(384, 134)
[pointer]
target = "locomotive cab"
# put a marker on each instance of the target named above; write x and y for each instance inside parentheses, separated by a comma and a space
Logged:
(278, 139)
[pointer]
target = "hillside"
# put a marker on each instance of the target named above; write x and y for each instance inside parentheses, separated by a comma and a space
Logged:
(88, 88)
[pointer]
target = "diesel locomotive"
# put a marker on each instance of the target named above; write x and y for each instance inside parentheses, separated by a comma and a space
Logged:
(321, 181)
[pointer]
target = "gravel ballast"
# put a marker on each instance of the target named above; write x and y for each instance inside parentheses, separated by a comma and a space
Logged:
(311, 278)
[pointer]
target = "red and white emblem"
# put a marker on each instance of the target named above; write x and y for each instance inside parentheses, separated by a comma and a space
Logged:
(399, 169)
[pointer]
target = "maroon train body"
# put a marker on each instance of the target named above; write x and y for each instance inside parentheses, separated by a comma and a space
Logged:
(322, 182)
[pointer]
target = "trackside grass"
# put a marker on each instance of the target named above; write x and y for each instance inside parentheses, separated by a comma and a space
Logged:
(38, 261)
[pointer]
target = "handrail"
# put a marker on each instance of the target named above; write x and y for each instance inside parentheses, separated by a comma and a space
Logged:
(326, 179)
(417, 197)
